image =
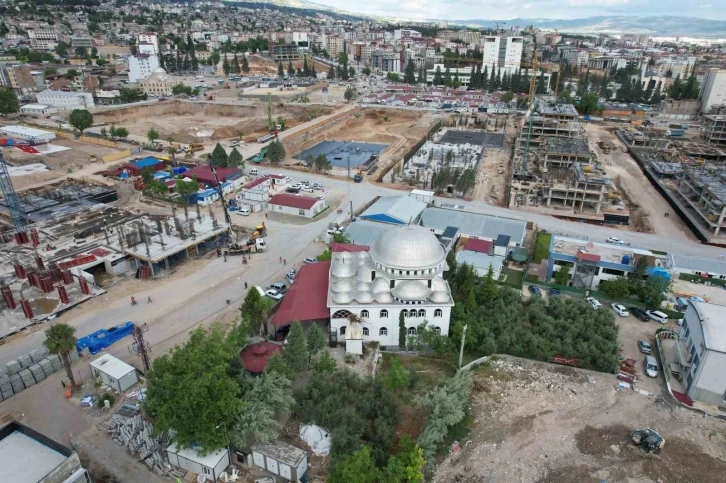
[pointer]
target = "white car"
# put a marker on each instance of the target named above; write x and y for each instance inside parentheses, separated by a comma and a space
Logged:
(613, 239)
(310, 260)
(594, 302)
(620, 310)
(274, 294)
(234, 144)
(307, 189)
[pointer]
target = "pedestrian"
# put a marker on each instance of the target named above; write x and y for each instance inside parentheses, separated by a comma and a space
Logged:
(63, 383)
(148, 300)
(265, 215)
(280, 259)
(133, 301)
(245, 285)
(284, 261)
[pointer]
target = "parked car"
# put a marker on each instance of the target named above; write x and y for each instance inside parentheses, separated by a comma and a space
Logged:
(290, 276)
(307, 189)
(620, 310)
(535, 291)
(613, 239)
(88, 400)
(310, 260)
(317, 186)
(279, 286)
(293, 190)
(651, 366)
(594, 302)
(639, 313)
(244, 211)
(658, 316)
(555, 292)
(644, 347)
(273, 294)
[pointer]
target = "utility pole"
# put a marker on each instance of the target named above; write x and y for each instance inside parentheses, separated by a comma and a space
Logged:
(461, 350)
(140, 347)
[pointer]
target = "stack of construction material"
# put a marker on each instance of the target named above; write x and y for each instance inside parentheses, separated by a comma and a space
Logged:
(6, 388)
(38, 354)
(138, 436)
(25, 361)
(47, 366)
(17, 383)
(13, 367)
(37, 372)
(55, 361)
(27, 377)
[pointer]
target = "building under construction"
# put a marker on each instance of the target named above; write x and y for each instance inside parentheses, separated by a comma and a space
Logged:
(702, 195)
(563, 152)
(713, 129)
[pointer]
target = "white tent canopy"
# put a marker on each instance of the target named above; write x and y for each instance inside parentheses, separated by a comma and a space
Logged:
(317, 438)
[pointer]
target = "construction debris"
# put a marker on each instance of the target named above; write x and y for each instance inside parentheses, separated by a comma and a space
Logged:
(140, 439)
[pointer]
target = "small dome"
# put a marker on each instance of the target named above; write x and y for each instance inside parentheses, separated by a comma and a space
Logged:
(344, 286)
(345, 255)
(384, 298)
(364, 298)
(342, 298)
(380, 285)
(411, 290)
(440, 297)
(363, 287)
(408, 248)
(158, 70)
(438, 284)
(363, 255)
(343, 269)
(364, 272)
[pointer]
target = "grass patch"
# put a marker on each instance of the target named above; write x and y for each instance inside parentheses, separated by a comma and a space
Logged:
(513, 278)
(542, 247)
(424, 373)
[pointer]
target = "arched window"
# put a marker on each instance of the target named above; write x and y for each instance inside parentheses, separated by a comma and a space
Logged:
(438, 313)
(365, 331)
(422, 313)
(364, 314)
(412, 331)
(342, 330)
(384, 314)
(382, 331)
(436, 329)
(341, 314)
(405, 313)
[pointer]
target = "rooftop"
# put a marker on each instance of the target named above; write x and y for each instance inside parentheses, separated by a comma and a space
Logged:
(706, 265)
(294, 201)
(24, 130)
(480, 246)
(364, 232)
(608, 252)
(394, 209)
(144, 162)
(557, 109)
(563, 145)
(480, 260)
(112, 366)
(210, 460)
(282, 452)
(27, 456)
(475, 224)
(713, 321)
(307, 297)
(63, 93)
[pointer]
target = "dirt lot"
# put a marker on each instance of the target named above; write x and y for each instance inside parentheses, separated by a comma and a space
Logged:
(401, 131)
(494, 169)
(546, 423)
(199, 122)
(647, 206)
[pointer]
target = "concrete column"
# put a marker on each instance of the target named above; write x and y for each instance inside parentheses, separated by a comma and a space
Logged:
(151, 266)
(166, 263)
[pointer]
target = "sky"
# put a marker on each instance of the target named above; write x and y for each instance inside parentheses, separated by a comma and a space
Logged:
(506, 9)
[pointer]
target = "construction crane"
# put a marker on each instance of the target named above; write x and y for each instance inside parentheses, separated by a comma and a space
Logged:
(530, 111)
(270, 125)
(17, 215)
(557, 84)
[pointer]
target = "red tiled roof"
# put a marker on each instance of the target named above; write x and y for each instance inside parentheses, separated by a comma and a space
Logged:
(204, 174)
(255, 356)
(349, 247)
(307, 298)
(294, 201)
(256, 182)
(480, 246)
(587, 257)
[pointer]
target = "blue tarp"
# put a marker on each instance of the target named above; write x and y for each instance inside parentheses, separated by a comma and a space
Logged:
(162, 175)
(103, 338)
(143, 163)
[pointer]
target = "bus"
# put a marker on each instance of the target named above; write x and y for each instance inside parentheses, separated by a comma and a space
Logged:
(265, 138)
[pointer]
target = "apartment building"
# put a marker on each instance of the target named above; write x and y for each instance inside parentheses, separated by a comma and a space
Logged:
(65, 101)
(43, 39)
(82, 42)
(713, 93)
(503, 53)
(141, 66)
(148, 38)
(334, 44)
(19, 78)
(399, 34)
(576, 57)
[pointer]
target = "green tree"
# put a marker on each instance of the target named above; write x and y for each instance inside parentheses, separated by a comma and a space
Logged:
(316, 339)
(654, 291)
(349, 93)
(152, 135)
(296, 354)
(235, 159)
(342, 58)
(358, 467)
(401, 331)
(269, 394)
(120, 132)
(189, 391)
(276, 151)
(290, 69)
(366, 70)
(219, 156)
(437, 77)
(448, 82)
(617, 288)
(245, 65)
(9, 103)
(80, 119)
(180, 89)
(147, 174)
(322, 163)
(409, 75)
(507, 96)
(331, 73)
(59, 340)
(277, 363)
(128, 96)
(225, 66)
(588, 103)
(489, 288)
(185, 189)
(62, 49)
(325, 365)
(562, 275)
(396, 376)
(407, 465)
(280, 70)
(253, 310)
(235, 68)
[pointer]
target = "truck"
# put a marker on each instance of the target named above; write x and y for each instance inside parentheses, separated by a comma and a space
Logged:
(673, 133)
(265, 138)
(193, 148)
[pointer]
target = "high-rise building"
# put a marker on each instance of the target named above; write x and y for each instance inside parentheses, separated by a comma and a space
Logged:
(714, 90)
(141, 66)
(503, 53)
(334, 45)
(43, 38)
(149, 38)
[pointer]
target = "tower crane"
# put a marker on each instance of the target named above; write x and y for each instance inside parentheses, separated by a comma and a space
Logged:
(530, 111)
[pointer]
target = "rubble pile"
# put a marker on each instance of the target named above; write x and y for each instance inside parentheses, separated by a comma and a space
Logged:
(139, 438)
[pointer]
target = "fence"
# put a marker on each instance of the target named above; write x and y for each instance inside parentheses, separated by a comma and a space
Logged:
(96, 140)
(116, 156)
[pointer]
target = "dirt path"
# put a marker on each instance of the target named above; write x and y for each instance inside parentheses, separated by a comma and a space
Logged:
(622, 166)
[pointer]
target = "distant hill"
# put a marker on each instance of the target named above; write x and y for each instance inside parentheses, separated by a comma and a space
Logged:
(663, 25)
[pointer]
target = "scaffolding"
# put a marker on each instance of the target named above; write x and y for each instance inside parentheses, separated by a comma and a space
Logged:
(17, 214)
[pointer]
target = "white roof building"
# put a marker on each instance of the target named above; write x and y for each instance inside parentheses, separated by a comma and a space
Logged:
(27, 133)
(114, 372)
(402, 274)
(65, 101)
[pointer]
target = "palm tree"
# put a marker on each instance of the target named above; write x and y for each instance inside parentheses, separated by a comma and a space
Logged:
(61, 341)
(240, 134)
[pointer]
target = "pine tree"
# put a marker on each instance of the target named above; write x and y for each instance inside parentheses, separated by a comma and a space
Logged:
(475, 78)
(447, 77)
(648, 93)
(245, 64)
(219, 156)
(235, 64)
(179, 61)
(409, 74)
(456, 83)
(296, 351)
(484, 80)
(401, 331)
(675, 91)
(313, 74)
(280, 70)
(421, 75)
(437, 77)
(505, 82)
(187, 63)
(235, 159)
(225, 66)
(604, 85)
(691, 89)
(331, 73)
(290, 69)
(657, 96)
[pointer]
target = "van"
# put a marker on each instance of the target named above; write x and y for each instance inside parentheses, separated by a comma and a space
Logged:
(658, 316)
(254, 172)
(244, 211)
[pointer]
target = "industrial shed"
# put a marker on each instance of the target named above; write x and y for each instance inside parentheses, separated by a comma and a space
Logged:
(281, 459)
(210, 466)
(27, 134)
(306, 206)
(114, 372)
(397, 210)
